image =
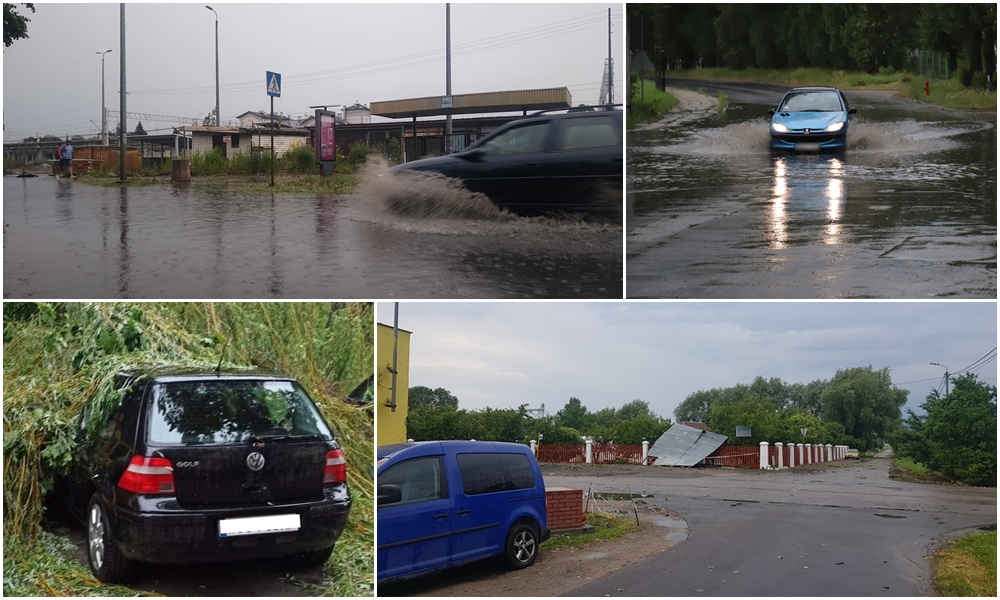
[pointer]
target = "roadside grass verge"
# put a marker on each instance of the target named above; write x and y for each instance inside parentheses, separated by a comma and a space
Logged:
(968, 567)
(802, 77)
(904, 468)
(60, 361)
(338, 183)
(648, 104)
(952, 94)
(606, 527)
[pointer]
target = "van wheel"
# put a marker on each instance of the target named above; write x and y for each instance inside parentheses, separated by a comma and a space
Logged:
(107, 563)
(521, 548)
(316, 558)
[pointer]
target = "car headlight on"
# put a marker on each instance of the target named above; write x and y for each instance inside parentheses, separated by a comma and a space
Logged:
(835, 127)
(779, 128)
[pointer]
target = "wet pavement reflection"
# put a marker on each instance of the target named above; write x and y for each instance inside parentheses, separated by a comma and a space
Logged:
(909, 211)
(75, 240)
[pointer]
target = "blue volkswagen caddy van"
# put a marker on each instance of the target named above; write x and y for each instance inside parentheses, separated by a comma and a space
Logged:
(445, 504)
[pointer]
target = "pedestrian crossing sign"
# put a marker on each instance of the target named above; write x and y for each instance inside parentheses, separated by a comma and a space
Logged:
(273, 81)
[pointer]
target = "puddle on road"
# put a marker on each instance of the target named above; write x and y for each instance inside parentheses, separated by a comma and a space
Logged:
(677, 537)
(672, 523)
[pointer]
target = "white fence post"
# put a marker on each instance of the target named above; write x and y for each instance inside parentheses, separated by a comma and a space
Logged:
(791, 455)
(829, 453)
(781, 454)
(645, 451)
(809, 454)
(763, 455)
(534, 448)
(802, 458)
(590, 452)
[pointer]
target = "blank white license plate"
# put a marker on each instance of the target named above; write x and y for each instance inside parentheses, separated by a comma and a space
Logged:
(807, 146)
(258, 525)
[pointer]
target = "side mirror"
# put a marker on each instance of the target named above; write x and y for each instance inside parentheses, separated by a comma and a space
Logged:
(852, 111)
(389, 494)
(770, 112)
(474, 155)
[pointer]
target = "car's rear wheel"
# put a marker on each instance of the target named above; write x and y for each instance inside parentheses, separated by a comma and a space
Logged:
(316, 558)
(521, 548)
(106, 561)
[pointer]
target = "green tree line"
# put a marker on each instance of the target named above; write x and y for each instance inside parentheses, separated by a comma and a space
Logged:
(865, 37)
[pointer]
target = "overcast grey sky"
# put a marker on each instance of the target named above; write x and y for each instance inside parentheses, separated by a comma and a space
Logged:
(505, 354)
(326, 53)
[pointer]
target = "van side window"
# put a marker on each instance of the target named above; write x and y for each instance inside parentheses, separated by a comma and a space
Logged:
(419, 479)
(489, 473)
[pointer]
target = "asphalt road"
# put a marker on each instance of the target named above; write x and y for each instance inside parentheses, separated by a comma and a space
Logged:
(844, 530)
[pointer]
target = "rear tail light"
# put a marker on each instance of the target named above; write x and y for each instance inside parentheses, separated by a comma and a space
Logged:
(335, 470)
(148, 475)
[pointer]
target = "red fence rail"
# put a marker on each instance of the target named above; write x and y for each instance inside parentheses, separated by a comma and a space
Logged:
(620, 454)
(742, 457)
(562, 453)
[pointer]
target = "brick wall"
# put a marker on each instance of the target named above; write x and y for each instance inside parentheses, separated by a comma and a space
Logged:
(564, 507)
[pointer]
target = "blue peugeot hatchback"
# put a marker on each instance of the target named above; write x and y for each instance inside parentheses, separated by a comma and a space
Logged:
(445, 504)
(811, 119)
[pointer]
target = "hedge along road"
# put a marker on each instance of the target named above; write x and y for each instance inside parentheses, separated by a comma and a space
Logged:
(908, 211)
(840, 530)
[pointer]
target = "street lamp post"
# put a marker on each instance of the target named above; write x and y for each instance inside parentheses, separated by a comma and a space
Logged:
(217, 113)
(104, 112)
(945, 376)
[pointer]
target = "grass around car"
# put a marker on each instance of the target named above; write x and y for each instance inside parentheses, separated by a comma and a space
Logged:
(968, 566)
(606, 527)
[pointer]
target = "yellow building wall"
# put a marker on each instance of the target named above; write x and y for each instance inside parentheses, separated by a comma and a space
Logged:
(390, 425)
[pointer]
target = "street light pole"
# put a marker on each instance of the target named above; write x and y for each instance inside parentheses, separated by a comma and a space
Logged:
(945, 376)
(447, 68)
(104, 112)
(217, 114)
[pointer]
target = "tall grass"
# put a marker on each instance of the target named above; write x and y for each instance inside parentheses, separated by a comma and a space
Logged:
(59, 365)
(951, 93)
(968, 567)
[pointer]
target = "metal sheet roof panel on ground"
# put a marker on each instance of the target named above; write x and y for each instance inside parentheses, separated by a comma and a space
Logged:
(683, 446)
(486, 102)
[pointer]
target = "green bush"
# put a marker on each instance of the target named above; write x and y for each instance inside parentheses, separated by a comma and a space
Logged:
(964, 75)
(209, 162)
(979, 80)
(359, 154)
(886, 71)
(300, 159)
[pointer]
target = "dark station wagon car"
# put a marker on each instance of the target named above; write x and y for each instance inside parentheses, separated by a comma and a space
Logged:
(208, 467)
(566, 162)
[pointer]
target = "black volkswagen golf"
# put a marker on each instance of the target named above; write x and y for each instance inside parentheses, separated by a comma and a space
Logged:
(196, 467)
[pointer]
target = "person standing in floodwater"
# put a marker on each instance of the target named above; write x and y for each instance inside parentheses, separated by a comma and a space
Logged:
(67, 158)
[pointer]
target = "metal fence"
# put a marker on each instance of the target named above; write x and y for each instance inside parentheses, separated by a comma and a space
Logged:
(562, 453)
(741, 457)
(617, 454)
(933, 65)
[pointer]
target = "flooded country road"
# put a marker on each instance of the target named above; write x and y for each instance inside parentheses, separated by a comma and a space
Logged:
(908, 211)
(67, 239)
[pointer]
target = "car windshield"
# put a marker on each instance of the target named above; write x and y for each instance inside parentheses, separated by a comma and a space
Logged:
(229, 412)
(825, 101)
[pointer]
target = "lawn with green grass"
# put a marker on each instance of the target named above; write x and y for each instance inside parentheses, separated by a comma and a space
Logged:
(968, 567)
(649, 104)
(606, 527)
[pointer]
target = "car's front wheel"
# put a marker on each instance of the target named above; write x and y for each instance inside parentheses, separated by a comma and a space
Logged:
(106, 561)
(521, 548)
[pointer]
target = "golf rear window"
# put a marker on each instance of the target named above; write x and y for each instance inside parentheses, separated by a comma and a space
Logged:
(226, 412)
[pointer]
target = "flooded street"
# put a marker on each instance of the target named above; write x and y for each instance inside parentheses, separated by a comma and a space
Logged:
(908, 211)
(65, 240)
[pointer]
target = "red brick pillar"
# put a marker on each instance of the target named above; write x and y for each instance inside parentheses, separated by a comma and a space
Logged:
(564, 507)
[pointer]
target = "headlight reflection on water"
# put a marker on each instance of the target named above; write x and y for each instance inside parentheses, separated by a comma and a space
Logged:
(794, 181)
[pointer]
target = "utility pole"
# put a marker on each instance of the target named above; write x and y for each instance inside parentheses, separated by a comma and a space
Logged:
(611, 70)
(104, 110)
(447, 68)
(217, 113)
(945, 376)
(123, 134)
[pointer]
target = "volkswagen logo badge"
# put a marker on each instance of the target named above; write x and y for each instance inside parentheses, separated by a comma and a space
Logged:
(255, 460)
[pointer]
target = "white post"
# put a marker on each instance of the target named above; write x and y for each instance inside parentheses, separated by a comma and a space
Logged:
(791, 455)
(781, 456)
(809, 457)
(590, 452)
(829, 453)
(802, 458)
(645, 451)
(763, 455)
(534, 448)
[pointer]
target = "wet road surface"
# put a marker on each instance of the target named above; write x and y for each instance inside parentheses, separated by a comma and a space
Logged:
(842, 530)
(71, 240)
(909, 211)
